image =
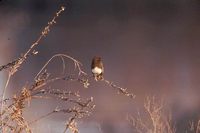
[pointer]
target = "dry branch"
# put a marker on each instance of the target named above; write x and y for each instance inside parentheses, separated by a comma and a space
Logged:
(160, 119)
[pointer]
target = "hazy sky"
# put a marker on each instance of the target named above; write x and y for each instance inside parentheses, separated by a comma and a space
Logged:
(148, 46)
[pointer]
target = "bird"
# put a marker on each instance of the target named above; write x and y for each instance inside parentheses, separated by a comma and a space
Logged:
(97, 68)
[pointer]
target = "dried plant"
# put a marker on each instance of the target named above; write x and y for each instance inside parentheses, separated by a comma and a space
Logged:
(12, 109)
(120, 90)
(12, 119)
(160, 119)
(13, 66)
(194, 127)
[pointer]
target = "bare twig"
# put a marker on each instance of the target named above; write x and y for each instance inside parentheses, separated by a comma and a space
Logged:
(195, 127)
(79, 113)
(160, 120)
(119, 89)
(77, 64)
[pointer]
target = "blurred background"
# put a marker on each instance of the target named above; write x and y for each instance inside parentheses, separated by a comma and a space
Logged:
(150, 47)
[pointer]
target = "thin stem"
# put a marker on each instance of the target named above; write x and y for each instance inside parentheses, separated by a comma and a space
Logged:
(3, 96)
(76, 63)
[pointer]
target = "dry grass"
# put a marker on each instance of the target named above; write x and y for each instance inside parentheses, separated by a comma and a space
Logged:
(12, 109)
(195, 127)
(13, 66)
(160, 120)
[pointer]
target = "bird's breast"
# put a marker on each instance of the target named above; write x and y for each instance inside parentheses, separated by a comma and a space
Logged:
(97, 70)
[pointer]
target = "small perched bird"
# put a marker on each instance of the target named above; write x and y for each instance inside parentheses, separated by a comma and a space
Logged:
(97, 68)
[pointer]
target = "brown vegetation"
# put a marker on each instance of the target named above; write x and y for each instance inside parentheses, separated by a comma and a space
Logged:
(12, 109)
